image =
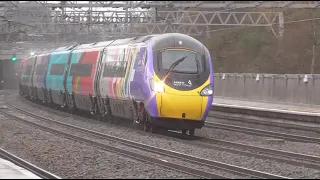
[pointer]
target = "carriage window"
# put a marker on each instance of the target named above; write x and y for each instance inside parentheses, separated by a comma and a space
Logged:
(41, 69)
(108, 69)
(115, 66)
(115, 69)
(81, 70)
(145, 59)
(57, 69)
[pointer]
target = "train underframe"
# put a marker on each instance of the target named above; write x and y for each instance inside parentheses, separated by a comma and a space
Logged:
(104, 113)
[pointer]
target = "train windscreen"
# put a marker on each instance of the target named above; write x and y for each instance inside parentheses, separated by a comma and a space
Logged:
(182, 61)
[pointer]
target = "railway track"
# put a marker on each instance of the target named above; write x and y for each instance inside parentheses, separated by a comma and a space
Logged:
(26, 165)
(259, 132)
(296, 159)
(172, 154)
(301, 124)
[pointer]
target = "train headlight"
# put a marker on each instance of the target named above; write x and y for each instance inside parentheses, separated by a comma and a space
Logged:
(207, 91)
(158, 87)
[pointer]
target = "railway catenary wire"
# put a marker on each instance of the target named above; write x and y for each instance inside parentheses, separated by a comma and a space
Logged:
(144, 147)
(283, 156)
(26, 165)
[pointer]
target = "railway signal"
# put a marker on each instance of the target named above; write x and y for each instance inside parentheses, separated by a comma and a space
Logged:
(14, 58)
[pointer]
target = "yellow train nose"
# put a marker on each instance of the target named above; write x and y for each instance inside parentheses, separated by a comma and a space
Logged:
(181, 106)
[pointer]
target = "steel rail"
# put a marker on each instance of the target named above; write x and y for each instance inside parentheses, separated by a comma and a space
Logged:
(26, 165)
(201, 161)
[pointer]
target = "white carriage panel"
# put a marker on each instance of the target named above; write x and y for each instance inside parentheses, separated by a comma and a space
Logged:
(111, 55)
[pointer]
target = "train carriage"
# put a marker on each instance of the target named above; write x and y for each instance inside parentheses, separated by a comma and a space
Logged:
(117, 85)
(55, 79)
(26, 72)
(80, 77)
(40, 74)
(157, 80)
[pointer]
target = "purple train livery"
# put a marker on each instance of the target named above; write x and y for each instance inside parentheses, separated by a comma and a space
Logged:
(158, 81)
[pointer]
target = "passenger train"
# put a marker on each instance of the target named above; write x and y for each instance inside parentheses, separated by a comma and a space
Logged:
(161, 81)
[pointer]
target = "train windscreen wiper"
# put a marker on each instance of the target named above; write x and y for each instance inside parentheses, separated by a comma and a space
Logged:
(175, 64)
(198, 66)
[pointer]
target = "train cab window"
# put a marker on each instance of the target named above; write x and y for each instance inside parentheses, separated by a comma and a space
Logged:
(57, 69)
(41, 69)
(189, 62)
(81, 70)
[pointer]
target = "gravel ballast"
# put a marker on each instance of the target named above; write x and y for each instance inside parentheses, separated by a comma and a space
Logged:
(179, 145)
(293, 131)
(70, 159)
(117, 145)
(297, 147)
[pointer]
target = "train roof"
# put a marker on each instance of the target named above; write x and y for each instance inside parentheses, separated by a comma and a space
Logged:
(176, 40)
(159, 41)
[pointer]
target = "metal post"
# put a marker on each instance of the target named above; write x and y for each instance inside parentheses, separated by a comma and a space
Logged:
(281, 25)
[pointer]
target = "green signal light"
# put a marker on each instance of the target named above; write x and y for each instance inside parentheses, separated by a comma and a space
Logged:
(14, 59)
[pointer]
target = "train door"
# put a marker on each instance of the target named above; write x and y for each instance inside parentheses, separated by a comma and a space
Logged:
(100, 104)
(112, 83)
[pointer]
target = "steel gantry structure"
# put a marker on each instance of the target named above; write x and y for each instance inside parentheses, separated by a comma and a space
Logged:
(35, 25)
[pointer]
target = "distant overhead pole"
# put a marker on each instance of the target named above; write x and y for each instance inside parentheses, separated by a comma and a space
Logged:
(145, 22)
(171, 4)
(55, 22)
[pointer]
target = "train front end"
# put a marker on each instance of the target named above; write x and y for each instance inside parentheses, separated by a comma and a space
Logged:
(182, 84)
